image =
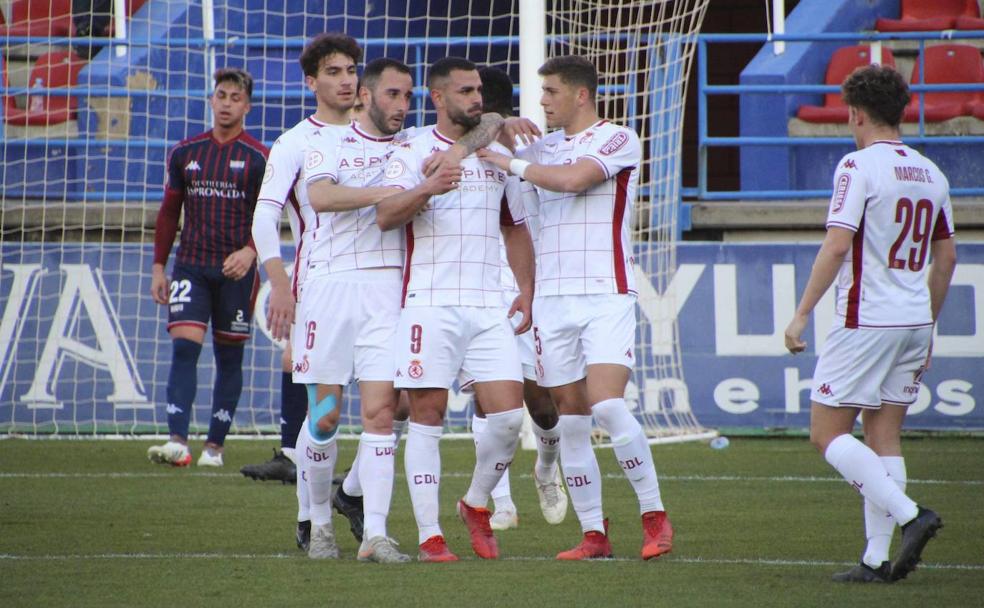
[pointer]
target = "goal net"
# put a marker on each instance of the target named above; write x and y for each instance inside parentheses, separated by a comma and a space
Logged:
(86, 126)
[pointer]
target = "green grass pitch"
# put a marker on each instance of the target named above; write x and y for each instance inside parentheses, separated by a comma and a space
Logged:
(762, 523)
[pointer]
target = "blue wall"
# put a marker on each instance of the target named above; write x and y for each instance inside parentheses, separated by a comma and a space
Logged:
(733, 302)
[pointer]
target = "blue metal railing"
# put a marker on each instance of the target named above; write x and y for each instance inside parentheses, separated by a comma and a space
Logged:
(704, 89)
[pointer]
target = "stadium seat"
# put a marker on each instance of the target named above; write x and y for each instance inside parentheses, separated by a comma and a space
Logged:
(8, 102)
(844, 61)
(965, 22)
(929, 15)
(58, 69)
(39, 18)
(947, 64)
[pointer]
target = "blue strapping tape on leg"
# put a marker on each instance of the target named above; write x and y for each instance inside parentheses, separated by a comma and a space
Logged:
(319, 409)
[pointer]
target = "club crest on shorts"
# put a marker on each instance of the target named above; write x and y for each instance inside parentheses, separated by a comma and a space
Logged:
(302, 366)
(415, 370)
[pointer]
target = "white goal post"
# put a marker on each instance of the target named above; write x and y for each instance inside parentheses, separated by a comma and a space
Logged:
(83, 348)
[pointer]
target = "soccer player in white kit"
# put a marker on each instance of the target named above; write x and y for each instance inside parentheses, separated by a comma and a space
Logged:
(328, 61)
(352, 264)
(497, 96)
(452, 319)
(584, 312)
(889, 246)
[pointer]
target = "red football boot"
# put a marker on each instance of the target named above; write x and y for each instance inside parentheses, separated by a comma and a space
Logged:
(480, 530)
(434, 549)
(657, 534)
(594, 545)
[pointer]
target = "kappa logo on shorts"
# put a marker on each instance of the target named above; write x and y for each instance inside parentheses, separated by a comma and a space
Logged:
(302, 366)
(416, 370)
(628, 353)
(825, 389)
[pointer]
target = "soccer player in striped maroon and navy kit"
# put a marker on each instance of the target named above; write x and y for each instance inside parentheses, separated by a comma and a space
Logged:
(216, 178)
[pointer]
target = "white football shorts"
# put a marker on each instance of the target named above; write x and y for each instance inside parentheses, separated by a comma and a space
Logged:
(434, 344)
(867, 367)
(345, 326)
(572, 332)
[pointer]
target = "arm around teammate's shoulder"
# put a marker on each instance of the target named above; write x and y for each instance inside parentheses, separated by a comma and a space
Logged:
(400, 208)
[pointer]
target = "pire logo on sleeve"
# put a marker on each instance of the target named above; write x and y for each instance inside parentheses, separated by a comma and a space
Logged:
(840, 194)
(615, 144)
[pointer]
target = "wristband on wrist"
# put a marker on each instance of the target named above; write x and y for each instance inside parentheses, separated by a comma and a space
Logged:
(518, 166)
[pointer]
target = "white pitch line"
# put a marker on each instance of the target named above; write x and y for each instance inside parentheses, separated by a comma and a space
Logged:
(279, 556)
(467, 475)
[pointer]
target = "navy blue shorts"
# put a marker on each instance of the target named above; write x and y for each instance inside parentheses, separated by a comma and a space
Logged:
(201, 293)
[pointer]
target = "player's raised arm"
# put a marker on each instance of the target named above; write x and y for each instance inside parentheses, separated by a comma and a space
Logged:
(400, 208)
(321, 177)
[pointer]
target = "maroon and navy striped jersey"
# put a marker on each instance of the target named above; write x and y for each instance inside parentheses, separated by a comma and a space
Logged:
(217, 184)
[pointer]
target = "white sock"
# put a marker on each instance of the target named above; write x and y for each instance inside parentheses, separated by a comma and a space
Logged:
(547, 451)
(862, 468)
(493, 454)
(422, 462)
(352, 484)
(321, 459)
(399, 427)
(878, 523)
(631, 450)
(501, 493)
(376, 457)
(577, 458)
(289, 453)
(303, 497)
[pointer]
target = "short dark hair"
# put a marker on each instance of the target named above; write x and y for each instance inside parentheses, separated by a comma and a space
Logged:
(442, 68)
(325, 45)
(878, 90)
(236, 76)
(573, 70)
(497, 91)
(376, 67)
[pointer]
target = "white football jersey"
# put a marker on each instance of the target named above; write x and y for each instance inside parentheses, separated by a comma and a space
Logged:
(584, 243)
(531, 207)
(896, 201)
(452, 248)
(282, 188)
(350, 240)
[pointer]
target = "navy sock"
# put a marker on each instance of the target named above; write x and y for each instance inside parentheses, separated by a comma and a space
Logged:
(182, 384)
(228, 387)
(293, 409)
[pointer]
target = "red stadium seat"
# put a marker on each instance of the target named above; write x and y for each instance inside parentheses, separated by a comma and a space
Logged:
(8, 102)
(39, 18)
(947, 64)
(844, 61)
(59, 69)
(970, 23)
(929, 15)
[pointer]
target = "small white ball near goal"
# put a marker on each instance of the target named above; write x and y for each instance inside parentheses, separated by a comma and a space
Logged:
(719, 443)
